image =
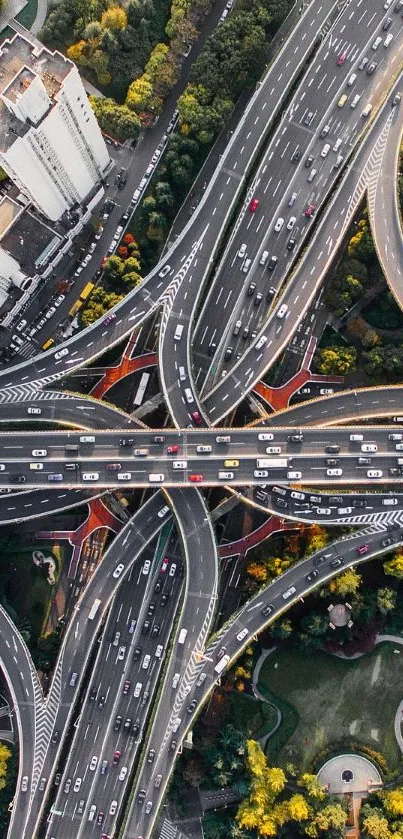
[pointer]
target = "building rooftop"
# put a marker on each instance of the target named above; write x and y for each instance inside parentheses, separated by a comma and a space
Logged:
(28, 240)
(20, 63)
(9, 210)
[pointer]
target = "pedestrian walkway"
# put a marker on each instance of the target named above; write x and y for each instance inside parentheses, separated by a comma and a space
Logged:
(262, 698)
(279, 397)
(272, 525)
(126, 366)
(41, 13)
(99, 516)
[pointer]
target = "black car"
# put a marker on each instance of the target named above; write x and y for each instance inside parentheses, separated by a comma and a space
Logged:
(211, 348)
(164, 599)
(151, 756)
(290, 244)
(192, 706)
(141, 795)
(55, 736)
(332, 449)
(135, 727)
(281, 503)
(173, 745)
(319, 560)
(158, 586)
(101, 701)
(309, 161)
(332, 461)
(151, 609)
(93, 693)
(18, 479)
(136, 653)
(393, 471)
(295, 438)
(156, 630)
(359, 502)
(117, 723)
(337, 561)
(228, 353)
(335, 499)
(267, 610)
(296, 156)
(312, 574)
(146, 627)
(127, 724)
(128, 441)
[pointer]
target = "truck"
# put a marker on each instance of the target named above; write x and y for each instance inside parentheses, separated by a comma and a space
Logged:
(94, 608)
(182, 636)
(272, 462)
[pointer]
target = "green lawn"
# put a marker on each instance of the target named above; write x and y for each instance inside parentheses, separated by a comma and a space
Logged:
(325, 699)
(251, 716)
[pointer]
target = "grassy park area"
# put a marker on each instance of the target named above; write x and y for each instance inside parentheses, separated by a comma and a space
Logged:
(325, 700)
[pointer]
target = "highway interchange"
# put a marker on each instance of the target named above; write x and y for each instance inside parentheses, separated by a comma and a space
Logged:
(182, 593)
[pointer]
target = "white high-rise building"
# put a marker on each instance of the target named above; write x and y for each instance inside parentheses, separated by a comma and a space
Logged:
(51, 145)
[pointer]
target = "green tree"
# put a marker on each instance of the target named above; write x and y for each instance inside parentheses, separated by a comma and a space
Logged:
(374, 823)
(337, 360)
(114, 119)
(394, 566)
(5, 755)
(315, 624)
(386, 600)
(346, 583)
(281, 630)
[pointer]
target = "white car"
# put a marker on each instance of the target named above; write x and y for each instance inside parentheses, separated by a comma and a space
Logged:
(172, 570)
(369, 447)
(24, 783)
(77, 784)
(265, 436)
(165, 270)
(291, 222)
(242, 251)
(294, 476)
(113, 808)
(323, 511)
(118, 570)
(278, 225)
(89, 476)
(50, 312)
(273, 450)
(36, 411)
(324, 391)
(374, 473)
(334, 473)
(325, 151)
(121, 653)
(39, 452)
(260, 473)
(61, 353)
(123, 773)
(93, 763)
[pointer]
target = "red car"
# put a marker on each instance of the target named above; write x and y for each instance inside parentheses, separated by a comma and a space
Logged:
(109, 318)
(254, 205)
(363, 549)
(341, 59)
(310, 210)
(172, 449)
(103, 260)
(196, 418)
(164, 565)
(100, 817)
(126, 688)
(116, 758)
(195, 478)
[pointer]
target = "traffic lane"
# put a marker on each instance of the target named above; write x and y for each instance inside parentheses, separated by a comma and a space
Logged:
(197, 613)
(273, 180)
(318, 256)
(302, 30)
(378, 401)
(83, 412)
(22, 505)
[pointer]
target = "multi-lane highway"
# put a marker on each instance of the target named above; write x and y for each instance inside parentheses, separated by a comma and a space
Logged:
(323, 456)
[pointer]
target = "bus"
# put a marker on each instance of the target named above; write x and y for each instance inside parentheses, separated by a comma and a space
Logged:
(272, 463)
(48, 343)
(94, 608)
(75, 308)
(221, 664)
(87, 291)
(182, 636)
(141, 389)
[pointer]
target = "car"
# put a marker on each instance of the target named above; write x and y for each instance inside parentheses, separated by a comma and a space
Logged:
(334, 473)
(67, 786)
(372, 67)
(121, 653)
(109, 319)
(279, 224)
(295, 438)
(100, 817)
(296, 155)
(113, 808)
(332, 461)
(258, 299)
(146, 627)
(126, 687)
(164, 599)
(35, 411)
(164, 271)
(122, 773)
(141, 795)
(118, 722)
(231, 464)
(192, 706)
(254, 205)
(369, 447)
(173, 449)
(61, 353)
(151, 756)
(310, 210)
(308, 118)
(132, 627)
(363, 63)
(101, 701)
(364, 461)
(291, 222)
(397, 99)
(387, 24)
(93, 763)
(341, 59)
(24, 783)
(388, 541)
(325, 151)
(292, 199)
(118, 570)
(116, 758)
(39, 452)
(137, 653)
(290, 244)
(127, 724)
(77, 784)
(55, 736)
(312, 575)
(251, 289)
(374, 473)
(151, 609)
(326, 391)
(325, 130)
(333, 449)
(104, 766)
(309, 161)
(196, 417)
(337, 561)
(172, 570)
(242, 251)
(363, 549)
(149, 807)
(196, 479)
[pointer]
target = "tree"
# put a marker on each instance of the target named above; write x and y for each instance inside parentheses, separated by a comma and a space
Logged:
(393, 802)
(394, 566)
(281, 630)
(315, 624)
(330, 817)
(5, 755)
(386, 600)
(114, 119)
(374, 824)
(257, 571)
(317, 539)
(346, 583)
(297, 807)
(337, 360)
(140, 93)
(114, 18)
(312, 786)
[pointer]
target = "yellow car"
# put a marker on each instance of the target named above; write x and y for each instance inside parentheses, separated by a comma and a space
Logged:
(231, 464)
(342, 101)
